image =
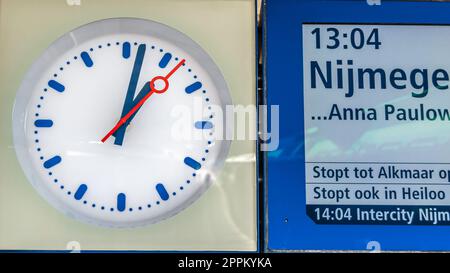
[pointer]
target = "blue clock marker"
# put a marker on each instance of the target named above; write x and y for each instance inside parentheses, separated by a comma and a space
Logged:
(121, 199)
(86, 59)
(165, 60)
(192, 163)
(193, 87)
(52, 162)
(80, 191)
(43, 123)
(162, 192)
(56, 86)
(203, 125)
(126, 50)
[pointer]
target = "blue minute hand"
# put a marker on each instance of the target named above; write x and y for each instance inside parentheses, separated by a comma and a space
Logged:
(130, 101)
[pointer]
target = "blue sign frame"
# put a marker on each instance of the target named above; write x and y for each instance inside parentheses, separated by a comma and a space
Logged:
(287, 225)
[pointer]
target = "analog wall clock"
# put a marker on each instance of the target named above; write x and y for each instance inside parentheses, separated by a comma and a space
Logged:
(94, 121)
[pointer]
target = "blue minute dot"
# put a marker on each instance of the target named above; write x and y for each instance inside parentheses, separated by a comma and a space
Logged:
(93, 205)
(140, 208)
(62, 187)
(102, 208)
(157, 203)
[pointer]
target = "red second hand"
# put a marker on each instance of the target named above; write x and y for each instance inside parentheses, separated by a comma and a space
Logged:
(142, 101)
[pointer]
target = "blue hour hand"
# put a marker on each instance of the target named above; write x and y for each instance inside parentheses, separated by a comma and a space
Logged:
(120, 133)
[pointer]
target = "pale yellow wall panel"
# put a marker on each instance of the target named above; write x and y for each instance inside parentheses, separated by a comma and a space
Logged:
(224, 218)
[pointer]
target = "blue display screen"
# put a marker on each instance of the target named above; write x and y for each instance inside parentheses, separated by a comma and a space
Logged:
(364, 125)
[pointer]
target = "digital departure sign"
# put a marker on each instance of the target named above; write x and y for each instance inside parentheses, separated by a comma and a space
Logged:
(364, 101)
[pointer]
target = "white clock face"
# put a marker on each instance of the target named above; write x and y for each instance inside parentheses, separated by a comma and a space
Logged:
(95, 122)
